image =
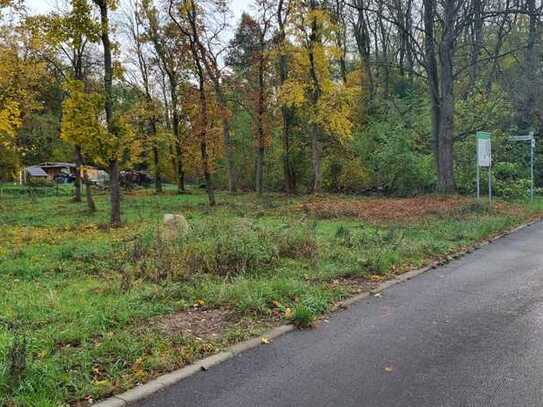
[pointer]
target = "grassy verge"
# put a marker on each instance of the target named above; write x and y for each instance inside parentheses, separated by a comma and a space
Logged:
(86, 311)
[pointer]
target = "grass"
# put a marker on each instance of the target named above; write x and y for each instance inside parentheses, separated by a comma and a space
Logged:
(79, 302)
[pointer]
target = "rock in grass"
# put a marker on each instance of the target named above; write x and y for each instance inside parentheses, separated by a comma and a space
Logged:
(175, 225)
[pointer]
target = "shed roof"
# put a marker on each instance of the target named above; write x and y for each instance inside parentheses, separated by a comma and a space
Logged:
(57, 165)
(35, 171)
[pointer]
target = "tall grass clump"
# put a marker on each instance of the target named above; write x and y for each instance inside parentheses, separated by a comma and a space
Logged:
(365, 249)
(223, 247)
(298, 240)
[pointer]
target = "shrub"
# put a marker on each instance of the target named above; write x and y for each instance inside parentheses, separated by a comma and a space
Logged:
(512, 189)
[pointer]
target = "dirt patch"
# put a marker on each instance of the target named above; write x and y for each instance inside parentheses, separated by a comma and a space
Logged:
(354, 285)
(196, 322)
(382, 209)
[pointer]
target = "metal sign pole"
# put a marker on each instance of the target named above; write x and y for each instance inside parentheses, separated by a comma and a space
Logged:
(478, 183)
(478, 174)
(532, 145)
(490, 186)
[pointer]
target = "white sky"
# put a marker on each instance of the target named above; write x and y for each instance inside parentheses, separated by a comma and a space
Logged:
(42, 6)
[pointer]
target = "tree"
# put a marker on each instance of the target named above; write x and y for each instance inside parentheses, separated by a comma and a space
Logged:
(113, 128)
(22, 75)
(251, 58)
(170, 48)
(282, 17)
(70, 34)
(81, 125)
(327, 105)
(189, 19)
(149, 108)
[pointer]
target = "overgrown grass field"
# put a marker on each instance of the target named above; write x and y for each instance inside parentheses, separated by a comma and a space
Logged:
(87, 311)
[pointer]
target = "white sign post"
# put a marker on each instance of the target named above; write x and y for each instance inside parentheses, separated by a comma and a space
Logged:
(484, 159)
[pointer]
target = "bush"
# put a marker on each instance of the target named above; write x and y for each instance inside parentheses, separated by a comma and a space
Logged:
(400, 161)
(343, 171)
(508, 181)
(516, 189)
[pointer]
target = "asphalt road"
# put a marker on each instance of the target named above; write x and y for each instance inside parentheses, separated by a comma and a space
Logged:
(468, 334)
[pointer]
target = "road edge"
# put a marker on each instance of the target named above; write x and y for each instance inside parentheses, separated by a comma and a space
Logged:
(162, 382)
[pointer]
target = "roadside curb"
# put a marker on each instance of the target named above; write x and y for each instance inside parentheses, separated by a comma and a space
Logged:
(145, 390)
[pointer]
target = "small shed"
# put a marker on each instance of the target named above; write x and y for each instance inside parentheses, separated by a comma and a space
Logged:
(54, 169)
(34, 172)
(96, 175)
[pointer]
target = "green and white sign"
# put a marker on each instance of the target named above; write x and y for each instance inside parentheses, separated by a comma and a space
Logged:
(484, 149)
(484, 159)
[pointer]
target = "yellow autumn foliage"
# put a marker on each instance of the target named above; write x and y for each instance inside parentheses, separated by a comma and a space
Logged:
(311, 72)
(22, 76)
(81, 112)
(83, 124)
(10, 121)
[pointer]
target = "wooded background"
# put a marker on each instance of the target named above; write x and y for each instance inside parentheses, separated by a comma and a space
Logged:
(297, 96)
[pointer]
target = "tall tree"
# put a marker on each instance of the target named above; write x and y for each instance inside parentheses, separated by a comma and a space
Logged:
(188, 17)
(112, 128)
(251, 59)
(150, 110)
(70, 33)
(282, 17)
(170, 48)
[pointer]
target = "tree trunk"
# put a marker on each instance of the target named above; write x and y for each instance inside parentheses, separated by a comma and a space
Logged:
(207, 174)
(259, 179)
(430, 64)
(384, 47)
(288, 170)
(260, 125)
(229, 156)
(108, 105)
(158, 172)
(179, 172)
(316, 150)
(204, 116)
(446, 123)
(530, 65)
(362, 38)
(88, 192)
(77, 181)
(115, 184)
(228, 147)
(476, 43)
(286, 113)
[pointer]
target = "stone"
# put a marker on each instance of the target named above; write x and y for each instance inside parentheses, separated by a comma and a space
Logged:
(174, 226)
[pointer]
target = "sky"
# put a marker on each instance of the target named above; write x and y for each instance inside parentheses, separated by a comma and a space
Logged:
(42, 6)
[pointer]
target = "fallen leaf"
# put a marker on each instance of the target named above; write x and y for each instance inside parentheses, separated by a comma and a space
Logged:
(265, 340)
(288, 313)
